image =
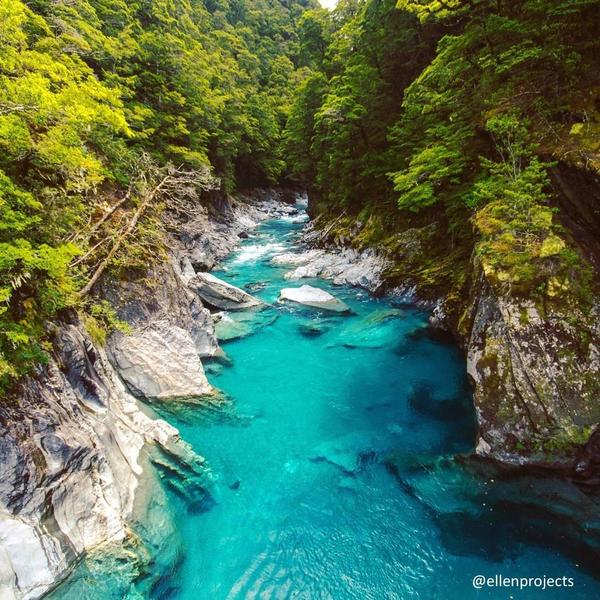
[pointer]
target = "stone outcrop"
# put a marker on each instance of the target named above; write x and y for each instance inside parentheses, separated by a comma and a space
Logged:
(70, 464)
(313, 297)
(171, 331)
(166, 300)
(221, 295)
(346, 267)
(536, 377)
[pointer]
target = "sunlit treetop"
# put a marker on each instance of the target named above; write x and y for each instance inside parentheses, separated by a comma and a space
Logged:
(426, 9)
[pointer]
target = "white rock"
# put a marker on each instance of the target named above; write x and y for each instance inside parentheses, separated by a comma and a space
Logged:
(24, 559)
(295, 258)
(70, 467)
(161, 362)
(220, 294)
(314, 297)
(187, 269)
(344, 268)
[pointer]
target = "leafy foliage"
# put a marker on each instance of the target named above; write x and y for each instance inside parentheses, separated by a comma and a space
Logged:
(97, 98)
(454, 111)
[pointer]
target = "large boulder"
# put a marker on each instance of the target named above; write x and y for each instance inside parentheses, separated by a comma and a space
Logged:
(161, 362)
(315, 298)
(220, 294)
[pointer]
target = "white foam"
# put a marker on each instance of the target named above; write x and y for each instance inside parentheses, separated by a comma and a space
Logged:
(253, 252)
(301, 218)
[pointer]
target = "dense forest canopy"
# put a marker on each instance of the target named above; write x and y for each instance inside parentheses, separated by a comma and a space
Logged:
(394, 114)
(455, 112)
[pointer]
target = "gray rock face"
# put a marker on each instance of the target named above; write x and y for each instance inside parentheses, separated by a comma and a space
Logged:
(315, 298)
(168, 300)
(536, 376)
(345, 267)
(69, 465)
(215, 231)
(220, 294)
(160, 362)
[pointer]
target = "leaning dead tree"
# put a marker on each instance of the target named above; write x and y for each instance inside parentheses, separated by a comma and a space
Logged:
(163, 194)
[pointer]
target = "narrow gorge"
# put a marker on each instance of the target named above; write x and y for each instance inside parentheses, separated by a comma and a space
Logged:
(299, 302)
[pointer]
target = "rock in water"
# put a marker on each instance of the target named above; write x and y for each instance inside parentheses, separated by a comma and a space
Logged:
(312, 329)
(314, 297)
(234, 326)
(161, 362)
(375, 330)
(220, 294)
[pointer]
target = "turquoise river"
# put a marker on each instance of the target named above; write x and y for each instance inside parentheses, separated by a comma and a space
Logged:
(330, 471)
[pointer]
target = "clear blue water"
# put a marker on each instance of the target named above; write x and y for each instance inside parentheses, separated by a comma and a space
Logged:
(315, 490)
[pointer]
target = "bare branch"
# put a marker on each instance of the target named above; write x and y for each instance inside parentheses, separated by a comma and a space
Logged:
(121, 238)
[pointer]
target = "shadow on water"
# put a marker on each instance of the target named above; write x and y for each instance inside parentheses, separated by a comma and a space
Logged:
(455, 414)
(165, 586)
(484, 509)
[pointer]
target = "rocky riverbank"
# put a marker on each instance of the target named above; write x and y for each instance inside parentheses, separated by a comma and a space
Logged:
(534, 369)
(73, 447)
(74, 463)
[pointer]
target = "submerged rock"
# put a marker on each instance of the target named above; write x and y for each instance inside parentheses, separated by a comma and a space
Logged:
(315, 298)
(423, 401)
(185, 474)
(484, 508)
(161, 362)
(257, 286)
(220, 294)
(206, 411)
(233, 326)
(350, 453)
(375, 330)
(433, 334)
(214, 368)
(313, 328)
